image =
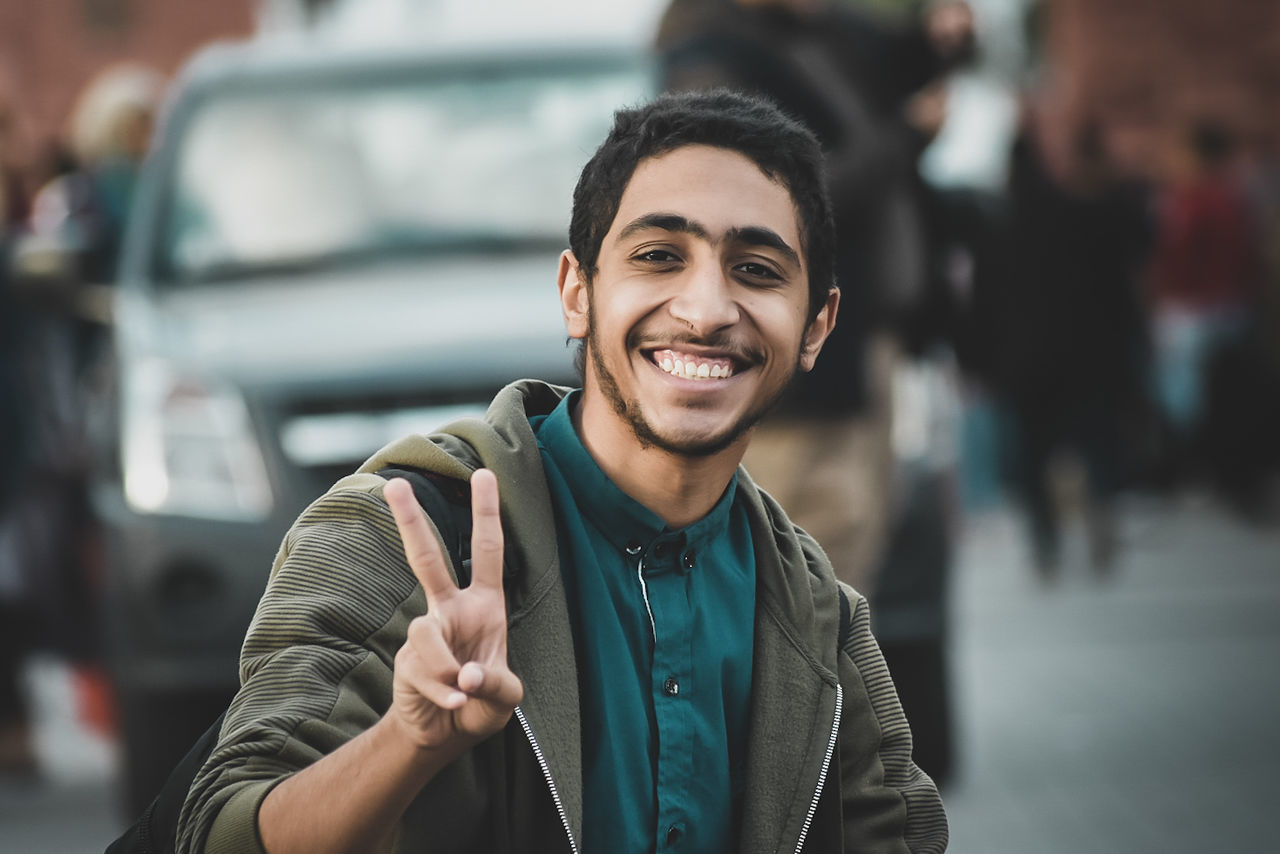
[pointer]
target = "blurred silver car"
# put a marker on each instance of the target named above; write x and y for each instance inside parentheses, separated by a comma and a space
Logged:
(325, 252)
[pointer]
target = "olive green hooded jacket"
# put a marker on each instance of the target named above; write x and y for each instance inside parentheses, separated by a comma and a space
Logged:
(829, 758)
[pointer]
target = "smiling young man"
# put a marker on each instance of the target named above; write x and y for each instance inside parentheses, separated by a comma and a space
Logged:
(648, 656)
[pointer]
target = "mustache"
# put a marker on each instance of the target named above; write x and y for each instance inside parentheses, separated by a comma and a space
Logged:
(724, 343)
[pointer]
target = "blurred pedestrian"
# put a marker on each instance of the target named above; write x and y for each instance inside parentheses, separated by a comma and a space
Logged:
(48, 536)
(1203, 280)
(1241, 412)
(108, 133)
(17, 755)
(1073, 345)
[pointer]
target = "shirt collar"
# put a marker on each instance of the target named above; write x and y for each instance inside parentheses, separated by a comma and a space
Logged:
(619, 517)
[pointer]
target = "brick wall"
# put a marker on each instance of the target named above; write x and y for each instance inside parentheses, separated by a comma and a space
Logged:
(1147, 67)
(49, 49)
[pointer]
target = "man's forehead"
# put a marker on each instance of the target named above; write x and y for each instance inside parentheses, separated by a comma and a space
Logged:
(699, 149)
(670, 178)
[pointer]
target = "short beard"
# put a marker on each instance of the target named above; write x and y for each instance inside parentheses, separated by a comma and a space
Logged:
(629, 412)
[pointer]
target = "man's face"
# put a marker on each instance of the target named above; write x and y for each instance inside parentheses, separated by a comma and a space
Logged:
(696, 320)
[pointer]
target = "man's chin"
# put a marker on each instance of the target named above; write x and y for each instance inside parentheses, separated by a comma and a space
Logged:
(694, 445)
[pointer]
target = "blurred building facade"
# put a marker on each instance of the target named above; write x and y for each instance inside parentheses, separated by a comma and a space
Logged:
(1149, 68)
(50, 50)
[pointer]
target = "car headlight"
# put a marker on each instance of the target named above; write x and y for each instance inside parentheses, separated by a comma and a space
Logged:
(189, 448)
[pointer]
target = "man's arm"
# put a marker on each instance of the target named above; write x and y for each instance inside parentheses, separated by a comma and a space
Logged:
(452, 688)
(326, 745)
(351, 799)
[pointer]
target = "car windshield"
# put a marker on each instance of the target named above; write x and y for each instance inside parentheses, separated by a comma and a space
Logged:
(306, 176)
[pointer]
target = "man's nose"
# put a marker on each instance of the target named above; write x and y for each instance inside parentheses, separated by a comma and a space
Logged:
(706, 300)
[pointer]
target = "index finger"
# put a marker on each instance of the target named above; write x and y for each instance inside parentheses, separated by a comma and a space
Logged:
(421, 548)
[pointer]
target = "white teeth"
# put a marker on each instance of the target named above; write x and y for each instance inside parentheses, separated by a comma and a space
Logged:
(694, 370)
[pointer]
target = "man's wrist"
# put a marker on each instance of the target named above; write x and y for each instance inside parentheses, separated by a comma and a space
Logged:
(403, 737)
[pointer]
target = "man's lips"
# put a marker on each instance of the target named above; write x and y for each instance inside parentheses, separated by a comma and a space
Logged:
(694, 366)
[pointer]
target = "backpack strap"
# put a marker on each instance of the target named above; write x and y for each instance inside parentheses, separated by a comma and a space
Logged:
(156, 830)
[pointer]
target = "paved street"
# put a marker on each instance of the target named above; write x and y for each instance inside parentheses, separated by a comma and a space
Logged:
(1133, 714)
(1130, 714)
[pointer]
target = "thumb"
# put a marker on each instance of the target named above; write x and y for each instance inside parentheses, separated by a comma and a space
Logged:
(497, 685)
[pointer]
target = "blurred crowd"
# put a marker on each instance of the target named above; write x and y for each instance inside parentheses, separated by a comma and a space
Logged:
(64, 203)
(1117, 325)
(1122, 326)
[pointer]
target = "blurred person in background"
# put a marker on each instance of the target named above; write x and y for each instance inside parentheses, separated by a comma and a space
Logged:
(1072, 339)
(17, 755)
(874, 95)
(1235, 435)
(52, 341)
(107, 137)
(1202, 284)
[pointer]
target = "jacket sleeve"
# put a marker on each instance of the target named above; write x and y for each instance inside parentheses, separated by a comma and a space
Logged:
(884, 794)
(316, 665)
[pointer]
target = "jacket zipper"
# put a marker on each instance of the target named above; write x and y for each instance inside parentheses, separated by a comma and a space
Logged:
(546, 775)
(826, 766)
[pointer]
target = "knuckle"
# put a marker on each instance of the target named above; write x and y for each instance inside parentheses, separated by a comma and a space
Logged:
(424, 553)
(487, 543)
(406, 661)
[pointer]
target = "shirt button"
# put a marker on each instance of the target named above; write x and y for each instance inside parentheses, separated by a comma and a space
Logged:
(661, 549)
(671, 687)
(634, 547)
(673, 834)
(689, 559)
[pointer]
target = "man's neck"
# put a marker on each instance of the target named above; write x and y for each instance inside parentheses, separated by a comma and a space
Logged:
(679, 489)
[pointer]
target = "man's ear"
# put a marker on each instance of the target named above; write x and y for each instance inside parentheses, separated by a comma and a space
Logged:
(818, 330)
(574, 301)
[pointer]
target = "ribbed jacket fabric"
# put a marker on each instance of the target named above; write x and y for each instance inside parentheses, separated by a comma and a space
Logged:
(829, 763)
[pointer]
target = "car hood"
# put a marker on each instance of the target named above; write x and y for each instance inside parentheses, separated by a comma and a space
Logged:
(450, 324)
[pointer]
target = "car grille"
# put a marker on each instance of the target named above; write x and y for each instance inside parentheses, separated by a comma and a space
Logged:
(326, 439)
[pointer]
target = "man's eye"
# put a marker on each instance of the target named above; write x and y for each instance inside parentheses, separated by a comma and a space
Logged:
(657, 256)
(759, 271)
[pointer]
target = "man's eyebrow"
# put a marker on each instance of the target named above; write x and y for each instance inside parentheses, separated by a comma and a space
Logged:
(663, 222)
(757, 235)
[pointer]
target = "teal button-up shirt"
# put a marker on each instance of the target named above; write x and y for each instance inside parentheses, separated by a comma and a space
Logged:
(663, 627)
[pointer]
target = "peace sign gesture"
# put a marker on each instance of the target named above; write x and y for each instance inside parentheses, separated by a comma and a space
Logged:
(452, 686)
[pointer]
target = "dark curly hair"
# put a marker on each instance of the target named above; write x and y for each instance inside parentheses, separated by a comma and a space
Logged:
(784, 150)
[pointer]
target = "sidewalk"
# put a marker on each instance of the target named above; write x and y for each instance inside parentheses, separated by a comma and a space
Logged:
(1136, 713)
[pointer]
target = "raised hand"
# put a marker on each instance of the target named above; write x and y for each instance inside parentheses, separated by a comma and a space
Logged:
(452, 686)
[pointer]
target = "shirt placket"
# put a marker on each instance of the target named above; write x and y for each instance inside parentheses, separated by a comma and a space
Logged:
(664, 575)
